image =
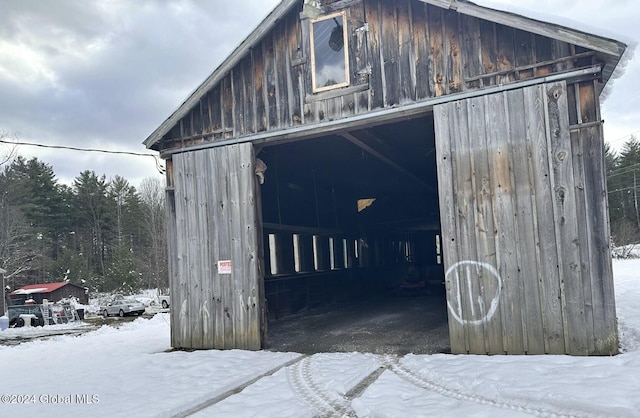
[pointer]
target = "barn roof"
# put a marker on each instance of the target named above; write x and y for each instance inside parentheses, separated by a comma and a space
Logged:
(40, 288)
(609, 50)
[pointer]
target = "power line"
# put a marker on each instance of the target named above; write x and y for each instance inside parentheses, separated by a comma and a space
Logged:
(623, 170)
(104, 151)
(628, 136)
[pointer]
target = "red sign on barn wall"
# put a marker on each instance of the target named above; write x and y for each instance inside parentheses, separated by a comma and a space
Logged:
(224, 267)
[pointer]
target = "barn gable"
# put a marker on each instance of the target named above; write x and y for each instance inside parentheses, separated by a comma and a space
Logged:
(398, 136)
(428, 49)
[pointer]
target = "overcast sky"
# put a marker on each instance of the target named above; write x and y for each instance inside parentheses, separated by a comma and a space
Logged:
(105, 73)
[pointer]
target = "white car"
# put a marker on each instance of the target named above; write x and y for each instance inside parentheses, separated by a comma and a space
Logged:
(122, 307)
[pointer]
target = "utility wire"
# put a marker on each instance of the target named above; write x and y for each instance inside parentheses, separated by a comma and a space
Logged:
(628, 136)
(104, 151)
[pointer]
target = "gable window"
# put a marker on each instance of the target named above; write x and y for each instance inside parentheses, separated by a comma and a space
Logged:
(329, 52)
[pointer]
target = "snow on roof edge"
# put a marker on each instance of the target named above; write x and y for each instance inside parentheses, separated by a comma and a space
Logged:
(555, 19)
(589, 28)
(620, 69)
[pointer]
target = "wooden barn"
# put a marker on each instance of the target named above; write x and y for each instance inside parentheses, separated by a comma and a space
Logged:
(349, 147)
(53, 292)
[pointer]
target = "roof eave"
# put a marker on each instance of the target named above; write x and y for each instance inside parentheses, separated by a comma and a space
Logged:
(528, 24)
(252, 39)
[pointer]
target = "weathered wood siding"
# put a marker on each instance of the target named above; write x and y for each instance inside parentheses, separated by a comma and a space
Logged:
(524, 224)
(400, 52)
(212, 217)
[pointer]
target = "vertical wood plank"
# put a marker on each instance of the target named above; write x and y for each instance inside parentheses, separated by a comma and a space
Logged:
(216, 192)
(237, 92)
(489, 50)
(447, 118)
(197, 118)
(543, 52)
(227, 287)
(210, 313)
(505, 40)
(262, 264)
(482, 225)
(453, 54)
(248, 96)
(294, 73)
(389, 52)
(578, 148)
(421, 45)
(505, 213)
(283, 72)
(405, 65)
(308, 111)
(601, 277)
(560, 50)
(565, 216)
(237, 279)
(211, 239)
(437, 79)
(270, 79)
(358, 57)
(547, 256)
(227, 106)
(527, 254)
(199, 276)
(177, 336)
(207, 117)
(374, 53)
(467, 276)
(259, 87)
(187, 204)
(215, 99)
(472, 49)
(250, 248)
(173, 264)
(524, 49)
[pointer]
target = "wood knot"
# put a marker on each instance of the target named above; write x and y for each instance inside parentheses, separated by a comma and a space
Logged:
(561, 155)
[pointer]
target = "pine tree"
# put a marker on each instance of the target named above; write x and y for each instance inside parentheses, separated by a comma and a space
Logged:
(623, 183)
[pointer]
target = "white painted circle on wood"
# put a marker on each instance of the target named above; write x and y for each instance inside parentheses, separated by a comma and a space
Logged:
(462, 274)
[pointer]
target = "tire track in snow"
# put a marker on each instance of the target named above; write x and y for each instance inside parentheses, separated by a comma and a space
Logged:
(190, 409)
(393, 364)
(326, 403)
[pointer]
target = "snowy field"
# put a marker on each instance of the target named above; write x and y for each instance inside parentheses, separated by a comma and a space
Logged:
(129, 372)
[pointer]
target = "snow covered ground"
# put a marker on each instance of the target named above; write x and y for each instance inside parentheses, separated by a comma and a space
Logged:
(129, 371)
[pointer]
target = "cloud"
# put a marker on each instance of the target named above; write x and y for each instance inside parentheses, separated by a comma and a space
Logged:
(104, 74)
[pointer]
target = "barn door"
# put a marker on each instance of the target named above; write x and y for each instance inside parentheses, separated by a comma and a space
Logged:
(216, 282)
(510, 223)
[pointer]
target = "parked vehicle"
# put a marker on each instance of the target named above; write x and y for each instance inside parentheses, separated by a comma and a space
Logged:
(122, 307)
(165, 301)
(42, 314)
(35, 310)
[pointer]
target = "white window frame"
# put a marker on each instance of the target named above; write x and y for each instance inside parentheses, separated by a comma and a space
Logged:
(345, 48)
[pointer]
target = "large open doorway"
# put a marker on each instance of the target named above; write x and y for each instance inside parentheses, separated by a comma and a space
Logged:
(352, 241)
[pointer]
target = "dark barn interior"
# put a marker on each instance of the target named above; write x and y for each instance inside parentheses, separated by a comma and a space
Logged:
(351, 241)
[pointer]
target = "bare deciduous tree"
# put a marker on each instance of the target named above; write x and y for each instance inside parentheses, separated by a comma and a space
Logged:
(152, 199)
(17, 254)
(8, 148)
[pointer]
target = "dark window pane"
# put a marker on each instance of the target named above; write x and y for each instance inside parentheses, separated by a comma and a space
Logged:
(329, 53)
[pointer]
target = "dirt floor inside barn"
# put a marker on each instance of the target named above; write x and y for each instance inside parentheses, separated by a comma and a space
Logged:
(381, 325)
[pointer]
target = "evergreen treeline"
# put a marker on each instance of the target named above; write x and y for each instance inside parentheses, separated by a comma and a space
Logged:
(103, 234)
(110, 237)
(623, 183)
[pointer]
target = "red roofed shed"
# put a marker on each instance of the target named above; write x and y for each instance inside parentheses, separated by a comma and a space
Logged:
(50, 291)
